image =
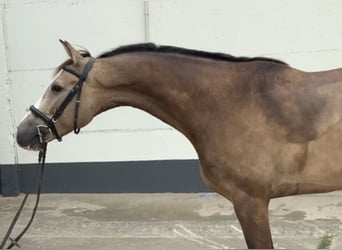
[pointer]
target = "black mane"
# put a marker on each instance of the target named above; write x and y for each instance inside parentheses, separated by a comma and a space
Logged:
(151, 47)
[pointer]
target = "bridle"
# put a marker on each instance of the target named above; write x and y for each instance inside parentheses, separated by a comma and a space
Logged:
(75, 91)
(50, 124)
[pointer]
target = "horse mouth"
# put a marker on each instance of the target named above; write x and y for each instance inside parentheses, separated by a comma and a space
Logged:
(35, 144)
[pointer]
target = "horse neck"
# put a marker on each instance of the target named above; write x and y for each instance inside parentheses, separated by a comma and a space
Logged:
(164, 86)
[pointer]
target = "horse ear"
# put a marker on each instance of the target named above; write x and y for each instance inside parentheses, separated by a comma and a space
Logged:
(74, 54)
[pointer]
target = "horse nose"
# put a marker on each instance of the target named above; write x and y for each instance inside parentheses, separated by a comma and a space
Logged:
(27, 134)
(24, 136)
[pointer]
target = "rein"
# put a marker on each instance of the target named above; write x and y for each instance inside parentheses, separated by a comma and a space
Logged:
(40, 169)
(50, 123)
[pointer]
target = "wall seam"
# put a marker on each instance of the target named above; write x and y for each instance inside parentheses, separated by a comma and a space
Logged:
(147, 20)
(9, 83)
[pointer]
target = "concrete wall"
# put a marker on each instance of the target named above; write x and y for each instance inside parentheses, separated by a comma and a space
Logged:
(307, 34)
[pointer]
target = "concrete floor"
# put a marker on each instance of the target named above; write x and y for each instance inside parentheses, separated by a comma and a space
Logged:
(169, 221)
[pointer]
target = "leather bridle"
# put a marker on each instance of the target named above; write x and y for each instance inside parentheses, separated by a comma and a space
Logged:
(50, 123)
(75, 91)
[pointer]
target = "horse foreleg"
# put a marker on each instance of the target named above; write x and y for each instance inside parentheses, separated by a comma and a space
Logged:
(252, 212)
(253, 216)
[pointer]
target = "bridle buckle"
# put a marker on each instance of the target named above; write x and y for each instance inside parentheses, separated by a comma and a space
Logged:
(40, 134)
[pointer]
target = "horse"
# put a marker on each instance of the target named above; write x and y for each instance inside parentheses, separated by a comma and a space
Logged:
(261, 128)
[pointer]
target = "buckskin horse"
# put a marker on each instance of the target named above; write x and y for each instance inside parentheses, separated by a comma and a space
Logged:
(261, 129)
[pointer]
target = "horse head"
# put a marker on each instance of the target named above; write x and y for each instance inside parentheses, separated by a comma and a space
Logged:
(67, 103)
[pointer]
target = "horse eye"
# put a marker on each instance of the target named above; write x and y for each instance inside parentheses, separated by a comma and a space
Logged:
(56, 88)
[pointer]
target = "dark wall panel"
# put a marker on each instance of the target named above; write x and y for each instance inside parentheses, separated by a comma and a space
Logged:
(115, 177)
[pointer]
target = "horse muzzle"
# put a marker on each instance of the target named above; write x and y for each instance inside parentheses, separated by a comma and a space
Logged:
(31, 134)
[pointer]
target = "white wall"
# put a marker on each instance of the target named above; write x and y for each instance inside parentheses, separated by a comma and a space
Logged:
(307, 34)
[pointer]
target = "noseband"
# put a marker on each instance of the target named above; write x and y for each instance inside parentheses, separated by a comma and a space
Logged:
(75, 91)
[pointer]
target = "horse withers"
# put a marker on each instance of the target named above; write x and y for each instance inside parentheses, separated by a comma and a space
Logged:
(261, 129)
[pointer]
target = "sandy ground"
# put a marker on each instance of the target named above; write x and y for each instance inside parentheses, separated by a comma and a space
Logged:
(169, 221)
